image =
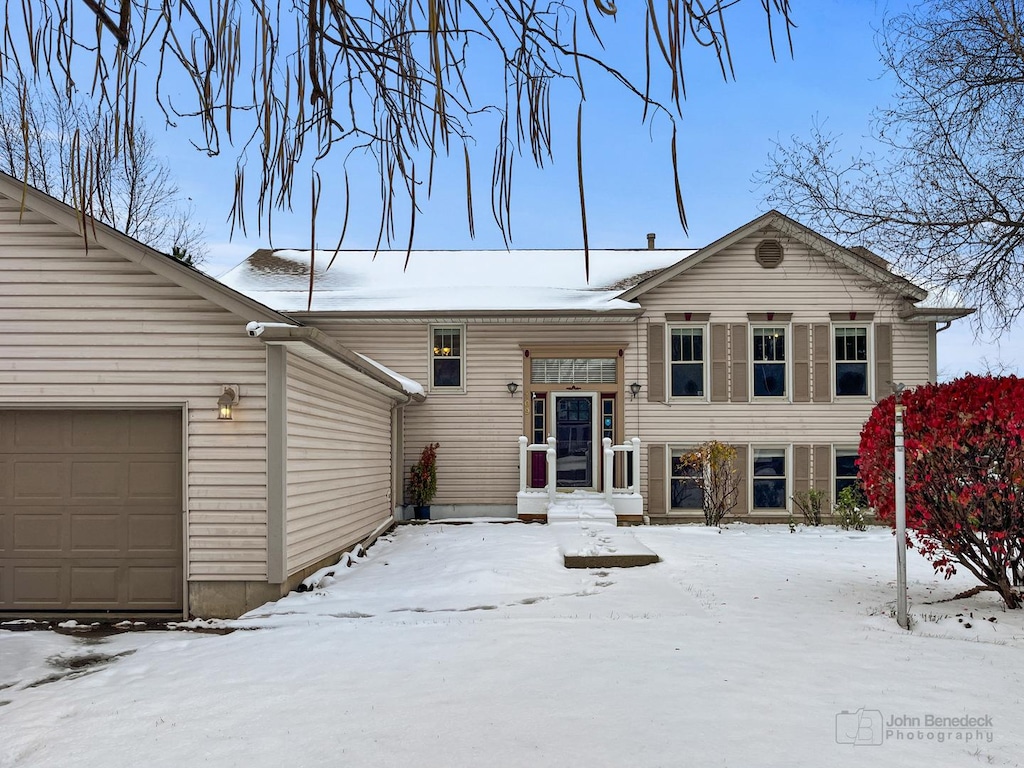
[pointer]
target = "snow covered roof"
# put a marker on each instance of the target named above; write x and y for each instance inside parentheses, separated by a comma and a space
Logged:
(519, 280)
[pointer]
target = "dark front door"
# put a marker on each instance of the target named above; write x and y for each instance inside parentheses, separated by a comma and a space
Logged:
(574, 435)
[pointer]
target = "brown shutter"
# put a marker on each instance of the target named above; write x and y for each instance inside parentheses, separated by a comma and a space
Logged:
(801, 468)
(742, 469)
(719, 363)
(739, 363)
(801, 363)
(656, 501)
(823, 469)
(656, 363)
(822, 364)
(883, 360)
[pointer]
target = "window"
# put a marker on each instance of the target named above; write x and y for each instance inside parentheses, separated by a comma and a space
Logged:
(846, 470)
(851, 361)
(769, 478)
(687, 361)
(446, 358)
(539, 422)
(570, 370)
(686, 494)
(770, 361)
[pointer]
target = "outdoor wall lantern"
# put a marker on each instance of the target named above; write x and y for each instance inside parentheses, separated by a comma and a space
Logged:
(512, 388)
(227, 401)
(634, 390)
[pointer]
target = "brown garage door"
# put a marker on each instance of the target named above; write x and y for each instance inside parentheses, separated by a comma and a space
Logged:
(90, 511)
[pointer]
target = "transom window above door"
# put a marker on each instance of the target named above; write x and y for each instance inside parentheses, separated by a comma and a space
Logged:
(573, 370)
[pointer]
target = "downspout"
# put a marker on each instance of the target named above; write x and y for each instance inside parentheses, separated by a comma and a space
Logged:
(933, 350)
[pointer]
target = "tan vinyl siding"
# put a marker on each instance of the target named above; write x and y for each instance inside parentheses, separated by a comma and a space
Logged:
(911, 349)
(477, 429)
(729, 285)
(338, 463)
(478, 461)
(89, 328)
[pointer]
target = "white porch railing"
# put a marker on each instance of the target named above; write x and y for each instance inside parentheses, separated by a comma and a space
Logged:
(625, 500)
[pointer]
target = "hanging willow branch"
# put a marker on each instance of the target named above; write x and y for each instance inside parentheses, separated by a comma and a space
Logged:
(298, 87)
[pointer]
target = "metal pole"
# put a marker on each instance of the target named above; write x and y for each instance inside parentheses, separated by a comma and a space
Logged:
(901, 521)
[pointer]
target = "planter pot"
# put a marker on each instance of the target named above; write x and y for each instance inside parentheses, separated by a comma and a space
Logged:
(421, 512)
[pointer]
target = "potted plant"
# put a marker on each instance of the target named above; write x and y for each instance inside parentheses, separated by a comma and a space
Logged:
(423, 481)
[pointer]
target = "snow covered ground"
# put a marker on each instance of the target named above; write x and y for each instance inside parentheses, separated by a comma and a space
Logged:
(470, 645)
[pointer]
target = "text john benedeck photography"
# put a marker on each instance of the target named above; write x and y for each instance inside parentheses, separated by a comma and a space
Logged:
(870, 727)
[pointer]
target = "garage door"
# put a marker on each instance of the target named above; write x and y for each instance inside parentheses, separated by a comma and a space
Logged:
(90, 511)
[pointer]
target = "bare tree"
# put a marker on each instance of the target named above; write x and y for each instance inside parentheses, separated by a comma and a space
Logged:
(944, 192)
(294, 85)
(66, 151)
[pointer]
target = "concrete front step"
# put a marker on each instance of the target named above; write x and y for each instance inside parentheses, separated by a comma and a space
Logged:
(590, 545)
(581, 506)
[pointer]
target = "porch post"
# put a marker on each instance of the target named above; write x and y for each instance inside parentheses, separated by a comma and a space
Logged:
(523, 442)
(552, 479)
(635, 486)
(608, 479)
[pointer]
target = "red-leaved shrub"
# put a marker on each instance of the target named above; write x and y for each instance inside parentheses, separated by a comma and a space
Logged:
(965, 476)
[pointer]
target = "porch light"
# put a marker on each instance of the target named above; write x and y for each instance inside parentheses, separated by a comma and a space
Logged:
(512, 388)
(634, 390)
(226, 402)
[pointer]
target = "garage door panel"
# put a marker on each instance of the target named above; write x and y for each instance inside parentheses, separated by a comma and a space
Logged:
(106, 479)
(91, 516)
(154, 480)
(155, 432)
(34, 479)
(94, 586)
(154, 534)
(40, 585)
(6, 478)
(36, 532)
(98, 430)
(154, 586)
(96, 533)
(34, 430)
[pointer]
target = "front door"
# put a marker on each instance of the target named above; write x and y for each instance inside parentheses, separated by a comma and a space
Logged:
(576, 439)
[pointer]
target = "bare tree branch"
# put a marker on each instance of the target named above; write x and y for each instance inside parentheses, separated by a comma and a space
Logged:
(299, 87)
(943, 194)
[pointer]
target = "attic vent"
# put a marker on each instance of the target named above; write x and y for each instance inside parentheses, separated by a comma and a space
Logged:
(769, 254)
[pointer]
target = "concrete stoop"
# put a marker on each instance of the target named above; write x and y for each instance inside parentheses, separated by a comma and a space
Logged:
(579, 507)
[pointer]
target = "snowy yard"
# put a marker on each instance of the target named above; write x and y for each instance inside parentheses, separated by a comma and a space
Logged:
(470, 645)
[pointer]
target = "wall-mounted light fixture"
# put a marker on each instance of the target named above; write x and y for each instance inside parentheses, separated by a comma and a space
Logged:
(634, 390)
(512, 388)
(227, 401)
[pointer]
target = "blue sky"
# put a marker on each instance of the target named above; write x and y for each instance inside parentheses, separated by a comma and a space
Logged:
(726, 135)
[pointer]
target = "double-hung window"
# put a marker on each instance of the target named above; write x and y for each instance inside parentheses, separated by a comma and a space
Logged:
(769, 361)
(851, 361)
(686, 493)
(769, 478)
(846, 471)
(446, 357)
(687, 361)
